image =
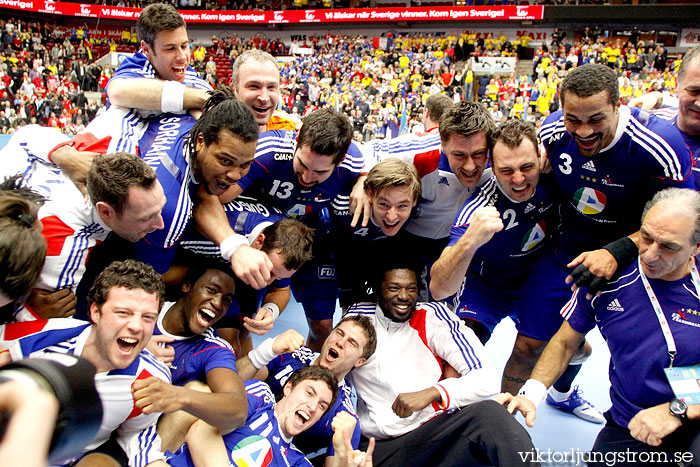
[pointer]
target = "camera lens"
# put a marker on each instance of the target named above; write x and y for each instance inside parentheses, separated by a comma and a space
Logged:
(72, 381)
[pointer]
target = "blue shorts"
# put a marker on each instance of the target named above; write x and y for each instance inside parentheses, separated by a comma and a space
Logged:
(545, 295)
(486, 304)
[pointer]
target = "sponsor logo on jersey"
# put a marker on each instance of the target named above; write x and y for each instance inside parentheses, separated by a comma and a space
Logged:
(615, 306)
(687, 316)
(285, 156)
(608, 181)
(529, 208)
(443, 181)
(589, 166)
(589, 201)
(326, 272)
(252, 451)
(534, 236)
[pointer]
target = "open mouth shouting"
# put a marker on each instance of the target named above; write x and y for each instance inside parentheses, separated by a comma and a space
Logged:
(588, 144)
(390, 226)
(179, 72)
(301, 417)
(205, 316)
(127, 344)
(332, 355)
(260, 112)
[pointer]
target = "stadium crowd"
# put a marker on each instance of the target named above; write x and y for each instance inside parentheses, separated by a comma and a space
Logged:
(181, 219)
(46, 71)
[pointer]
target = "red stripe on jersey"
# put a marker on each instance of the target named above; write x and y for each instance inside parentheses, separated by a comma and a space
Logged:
(135, 412)
(427, 162)
(417, 322)
(55, 233)
(89, 142)
(18, 330)
(258, 162)
(209, 348)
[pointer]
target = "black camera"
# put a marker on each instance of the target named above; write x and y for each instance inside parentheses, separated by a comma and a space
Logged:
(71, 380)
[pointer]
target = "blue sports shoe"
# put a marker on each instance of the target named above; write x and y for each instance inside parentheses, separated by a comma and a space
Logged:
(578, 406)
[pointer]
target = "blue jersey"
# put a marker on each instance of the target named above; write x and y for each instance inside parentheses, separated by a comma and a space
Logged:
(162, 146)
(259, 441)
(196, 355)
(506, 260)
(272, 180)
(670, 114)
(321, 434)
(341, 218)
(246, 216)
(603, 195)
(624, 314)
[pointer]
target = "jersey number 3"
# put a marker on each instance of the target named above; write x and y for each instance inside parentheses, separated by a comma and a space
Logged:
(565, 165)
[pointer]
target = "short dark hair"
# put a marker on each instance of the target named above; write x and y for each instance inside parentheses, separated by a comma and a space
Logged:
(292, 238)
(685, 63)
(326, 132)
(200, 265)
(111, 176)
(155, 18)
(315, 373)
(394, 256)
(22, 247)
(590, 79)
(366, 324)
(223, 111)
(466, 119)
(512, 132)
(130, 274)
(436, 105)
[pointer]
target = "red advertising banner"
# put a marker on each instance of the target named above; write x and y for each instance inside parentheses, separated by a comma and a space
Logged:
(476, 13)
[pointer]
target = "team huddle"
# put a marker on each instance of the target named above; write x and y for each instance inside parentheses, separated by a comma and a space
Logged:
(181, 219)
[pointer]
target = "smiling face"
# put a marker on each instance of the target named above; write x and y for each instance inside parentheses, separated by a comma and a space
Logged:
(399, 294)
(311, 168)
(222, 163)
(391, 208)
(123, 326)
(258, 87)
(170, 54)
(343, 349)
(467, 156)
(591, 121)
(665, 244)
(141, 215)
(207, 300)
(517, 169)
(302, 406)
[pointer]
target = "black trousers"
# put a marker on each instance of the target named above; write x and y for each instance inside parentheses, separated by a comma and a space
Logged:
(682, 447)
(483, 433)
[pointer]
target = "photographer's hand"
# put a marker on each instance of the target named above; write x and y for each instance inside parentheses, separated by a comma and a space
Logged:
(33, 417)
